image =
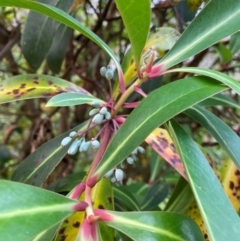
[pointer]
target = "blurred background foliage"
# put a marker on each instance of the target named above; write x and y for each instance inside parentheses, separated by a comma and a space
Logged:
(30, 43)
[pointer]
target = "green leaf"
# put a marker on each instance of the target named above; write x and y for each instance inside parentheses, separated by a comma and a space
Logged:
(225, 136)
(225, 79)
(136, 16)
(70, 99)
(62, 17)
(23, 87)
(216, 21)
(234, 43)
(39, 33)
(155, 164)
(125, 198)
(58, 49)
(225, 53)
(181, 197)
(66, 184)
(47, 234)
(161, 105)
(221, 100)
(220, 218)
(38, 166)
(155, 226)
(157, 192)
(27, 211)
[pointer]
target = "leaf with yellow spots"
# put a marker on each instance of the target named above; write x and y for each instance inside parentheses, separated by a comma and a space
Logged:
(162, 143)
(102, 198)
(194, 213)
(23, 87)
(159, 42)
(230, 179)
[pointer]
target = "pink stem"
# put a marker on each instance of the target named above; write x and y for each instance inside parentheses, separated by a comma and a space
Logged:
(106, 135)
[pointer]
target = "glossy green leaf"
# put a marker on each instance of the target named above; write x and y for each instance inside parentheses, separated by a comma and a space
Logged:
(155, 164)
(225, 53)
(157, 192)
(66, 184)
(70, 99)
(27, 211)
(234, 43)
(47, 234)
(125, 198)
(161, 105)
(224, 135)
(62, 17)
(136, 16)
(155, 226)
(221, 100)
(39, 165)
(181, 197)
(220, 218)
(59, 47)
(39, 33)
(216, 21)
(225, 79)
(23, 87)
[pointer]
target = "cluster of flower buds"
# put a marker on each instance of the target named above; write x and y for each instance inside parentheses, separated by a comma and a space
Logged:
(107, 72)
(78, 144)
(133, 156)
(99, 113)
(116, 175)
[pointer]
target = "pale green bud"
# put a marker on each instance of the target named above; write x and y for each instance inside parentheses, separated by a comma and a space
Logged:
(109, 74)
(103, 71)
(66, 141)
(103, 111)
(96, 103)
(95, 144)
(97, 119)
(73, 134)
(109, 173)
(130, 160)
(93, 112)
(108, 116)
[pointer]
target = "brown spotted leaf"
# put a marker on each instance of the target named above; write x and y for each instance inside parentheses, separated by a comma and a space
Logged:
(35, 86)
(162, 143)
(102, 198)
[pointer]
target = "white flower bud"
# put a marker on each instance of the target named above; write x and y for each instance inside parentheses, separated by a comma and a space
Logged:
(74, 147)
(134, 152)
(73, 134)
(109, 74)
(103, 111)
(97, 119)
(134, 157)
(96, 103)
(66, 141)
(141, 150)
(84, 146)
(113, 179)
(108, 116)
(119, 174)
(109, 173)
(93, 112)
(95, 144)
(103, 71)
(130, 160)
